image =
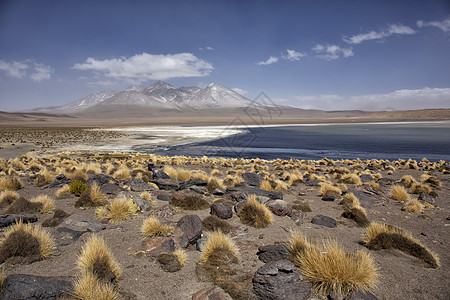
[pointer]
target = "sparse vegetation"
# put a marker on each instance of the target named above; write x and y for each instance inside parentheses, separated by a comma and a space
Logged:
(78, 187)
(255, 214)
(399, 193)
(153, 227)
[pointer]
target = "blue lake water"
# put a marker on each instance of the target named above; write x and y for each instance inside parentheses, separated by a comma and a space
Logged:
(344, 141)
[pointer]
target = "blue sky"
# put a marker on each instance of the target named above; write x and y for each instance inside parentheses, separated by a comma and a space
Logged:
(372, 55)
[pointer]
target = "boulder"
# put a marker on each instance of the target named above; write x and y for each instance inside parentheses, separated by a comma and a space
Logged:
(65, 236)
(280, 279)
(253, 190)
(7, 220)
(252, 179)
(280, 207)
(111, 189)
(191, 227)
(236, 196)
(222, 210)
(163, 196)
(76, 222)
(138, 185)
(24, 287)
(58, 217)
(156, 245)
(100, 179)
(366, 177)
(157, 174)
(270, 253)
(324, 221)
(141, 203)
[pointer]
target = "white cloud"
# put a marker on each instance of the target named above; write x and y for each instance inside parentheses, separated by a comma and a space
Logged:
(405, 99)
(269, 61)
(206, 48)
(293, 55)
(376, 35)
(20, 69)
(143, 67)
(240, 91)
(443, 25)
(331, 52)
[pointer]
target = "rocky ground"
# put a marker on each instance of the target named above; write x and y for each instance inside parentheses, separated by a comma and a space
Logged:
(293, 191)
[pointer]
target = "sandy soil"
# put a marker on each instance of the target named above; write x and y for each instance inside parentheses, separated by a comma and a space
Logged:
(402, 276)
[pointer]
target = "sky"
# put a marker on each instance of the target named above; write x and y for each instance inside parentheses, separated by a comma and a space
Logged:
(329, 55)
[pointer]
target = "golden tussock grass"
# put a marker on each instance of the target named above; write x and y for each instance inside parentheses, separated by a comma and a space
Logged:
(354, 210)
(351, 179)
(7, 197)
(413, 206)
(97, 196)
(2, 278)
(331, 269)
(122, 172)
(181, 256)
(153, 227)
(385, 236)
(8, 183)
(213, 223)
(199, 174)
(117, 210)
(48, 205)
(88, 287)
(147, 196)
(14, 245)
(418, 188)
(216, 173)
(63, 191)
(49, 177)
(77, 174)
(219, 249)
(408, 180)
(189, 201)
(97, 259)
(328, 189)
(399, 193)
(255, 214)
(214, 183)
(265, 185)
(426, 178)
(349, 200)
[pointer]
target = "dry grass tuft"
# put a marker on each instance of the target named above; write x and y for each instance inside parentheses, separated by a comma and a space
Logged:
(97, 196)
(331, 269)
(327, 189)
(78, 174)
(26, 240)
(7, 183)
(7, 197)
(95, 258)
(214, 183)
(117, 210)
(181, 256)
(351, 179)
(399, 193)
(189, 201)
(413, 206)
(408, 180)
(153, 227)
(265, 185)
(147, 196)
(384, 236)
(255, 214)
(425, 178)
(88, 287)
(63, 191)
(122, 172)
(214, 223)
(219, 249)
(418, 188)
(349, 200)
(48, 205)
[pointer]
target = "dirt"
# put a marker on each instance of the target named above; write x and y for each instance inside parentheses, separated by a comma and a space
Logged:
(402, 276)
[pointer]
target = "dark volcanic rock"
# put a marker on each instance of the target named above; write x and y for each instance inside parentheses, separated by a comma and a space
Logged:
(65, 236)
(173, 184)
(163, 196)
(252, 179)
(157, 174)
(25, 287)
(7, 220)
(280, 207)
(83, 223)
(270, 253)
(324, 221)
(156, 245)
(141, 203)
(236, 196)
(138, 185)
(366, 177)
(328, 198)
(280, 280)
(426, 198)
(100, 179)
(253, 190)
(222, 210)
(191, 226)
(111, 189)
(58, 217)
(59, 181)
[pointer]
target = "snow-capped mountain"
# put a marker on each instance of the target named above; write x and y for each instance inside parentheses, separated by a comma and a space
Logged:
(160, 94)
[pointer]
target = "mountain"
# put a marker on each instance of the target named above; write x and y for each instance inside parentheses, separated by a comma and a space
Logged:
(159, 95)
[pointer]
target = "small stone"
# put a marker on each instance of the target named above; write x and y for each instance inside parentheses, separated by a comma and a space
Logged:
(7, 220)
(272, 252)
(329, 198)
(222, 210)
(366, 177)
(237, 196)
(280, 207)
(324, 221)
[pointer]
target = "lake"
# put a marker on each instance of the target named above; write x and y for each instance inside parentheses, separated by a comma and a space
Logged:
(335, 141)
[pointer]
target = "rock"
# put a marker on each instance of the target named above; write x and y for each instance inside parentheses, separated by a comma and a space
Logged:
(236, 196)
(100, 179)
(366, 177)
(426, 198)
(111, 189)
(222, 210)
(253, 190)
(280, 207)
(297, 216)
(191, 227)
(168, 262)
(302, 205)
(173, 184)
(58, 217)
(157, 174)
(280, 280)
(82, 223)
(65, 236)
(59, 181)
(238, 206)
(200, 244)
(39, 180)
(252, 179)
(212, 293)
(368, 196)
(7, 220)
(270, 253)
(328, 198)
(163, 196)
(199, 189)
(263, 199)
(24, 287)
(156, 245)
(163, 212)
(218, 192)
(310, 182)
(141, 203)
(138, 185)
(324, 221)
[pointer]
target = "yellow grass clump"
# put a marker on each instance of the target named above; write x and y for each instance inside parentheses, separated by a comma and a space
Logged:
(78, 174)
(426, 178)
(117, 210)
(399, 193)
(219, 248)
(385, 236)
(147, 196)
(265, 185)
(181, 256)
(48, 205)
(49, 177)
(8, 183)
(349, 200)
(122, 172)
(351, 179)
(331, 269)
(255, 214)
(408, 180)
(7, 197)
(96, 195)
(418, 188)
(327, 189)
(88, 287)
(413, 206)
(153, 227)
(63, 191)
(95, 258)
